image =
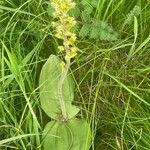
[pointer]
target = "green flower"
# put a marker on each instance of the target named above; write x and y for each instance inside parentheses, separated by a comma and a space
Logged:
(63, 25)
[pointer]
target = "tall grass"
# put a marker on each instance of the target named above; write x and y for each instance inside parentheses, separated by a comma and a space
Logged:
(112, 77)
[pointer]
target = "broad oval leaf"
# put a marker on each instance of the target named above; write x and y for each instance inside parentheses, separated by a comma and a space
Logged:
(74, 134)
(49, 78)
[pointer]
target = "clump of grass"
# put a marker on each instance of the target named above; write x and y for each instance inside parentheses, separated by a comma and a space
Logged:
(112, 83)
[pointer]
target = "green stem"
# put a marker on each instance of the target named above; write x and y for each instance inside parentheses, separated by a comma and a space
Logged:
(60, 90)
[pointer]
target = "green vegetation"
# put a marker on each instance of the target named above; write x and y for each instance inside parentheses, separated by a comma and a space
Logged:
(111, 71)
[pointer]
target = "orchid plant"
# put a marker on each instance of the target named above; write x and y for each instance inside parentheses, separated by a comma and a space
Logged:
(64, 131)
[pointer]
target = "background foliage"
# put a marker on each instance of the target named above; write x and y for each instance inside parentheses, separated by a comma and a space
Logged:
(111, 71)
